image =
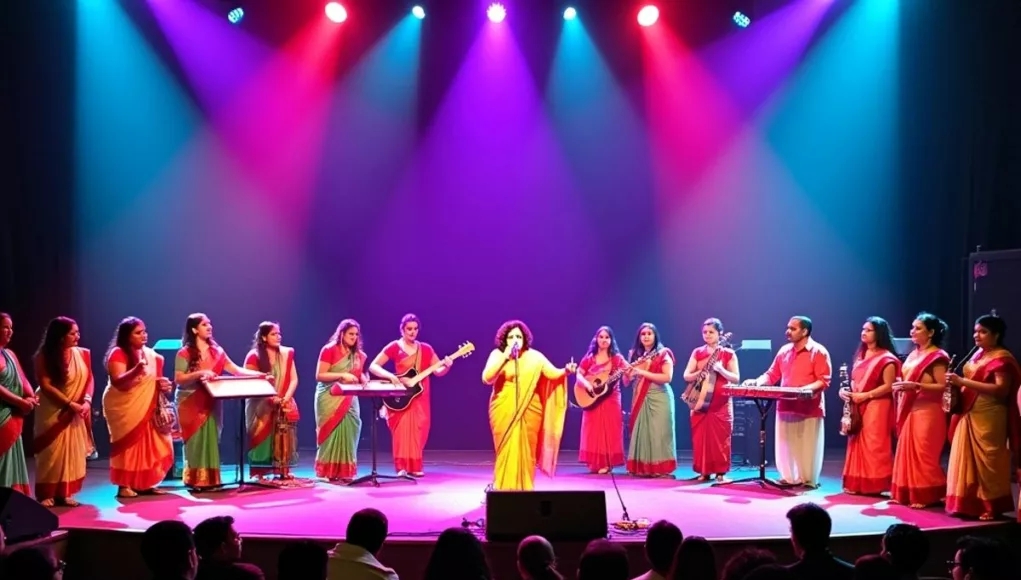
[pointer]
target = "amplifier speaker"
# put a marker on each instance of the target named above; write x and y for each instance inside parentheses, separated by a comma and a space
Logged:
(555, 515)
(22, 518)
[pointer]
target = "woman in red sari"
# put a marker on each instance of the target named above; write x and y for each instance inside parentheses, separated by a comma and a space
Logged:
(978, 477)
(602, 425)
(711, 430)
(17, 400)
(409, 427)
(62, 437)
(918, 477)
(868, 465)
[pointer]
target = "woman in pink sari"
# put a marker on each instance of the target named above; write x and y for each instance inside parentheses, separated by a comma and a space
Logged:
(918, 477)
(978, 477)
(602, 425)
(17, 400)
(868, 465)
(140, 452)
(62, 437)
(712, 428)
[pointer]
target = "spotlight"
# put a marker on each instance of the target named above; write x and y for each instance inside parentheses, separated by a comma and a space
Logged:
(235, 15)
(741, 20)
(336, 12)
(418, 12)
(570, 13)
(648, 15)
(496, 12)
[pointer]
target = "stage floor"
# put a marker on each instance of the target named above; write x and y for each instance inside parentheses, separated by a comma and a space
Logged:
(453, 489)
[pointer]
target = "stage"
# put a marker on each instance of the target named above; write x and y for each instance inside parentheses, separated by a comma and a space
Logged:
(453, 491)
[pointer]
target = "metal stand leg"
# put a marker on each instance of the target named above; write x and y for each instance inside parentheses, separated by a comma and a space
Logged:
(374, 477)
(764, 406)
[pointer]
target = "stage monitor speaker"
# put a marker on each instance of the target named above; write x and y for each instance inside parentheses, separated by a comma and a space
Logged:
(554, 515)
(22, 518)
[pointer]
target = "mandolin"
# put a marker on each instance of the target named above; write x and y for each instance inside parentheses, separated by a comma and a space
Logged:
(699, 393)
(411, 379)
(602, 384)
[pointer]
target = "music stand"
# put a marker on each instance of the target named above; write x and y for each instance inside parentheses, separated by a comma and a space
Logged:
(241, 388)
(375, 390)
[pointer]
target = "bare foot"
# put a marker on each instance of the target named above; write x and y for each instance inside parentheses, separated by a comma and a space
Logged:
(126, 492)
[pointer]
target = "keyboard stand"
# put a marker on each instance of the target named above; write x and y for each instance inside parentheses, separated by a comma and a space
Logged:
(764, 406)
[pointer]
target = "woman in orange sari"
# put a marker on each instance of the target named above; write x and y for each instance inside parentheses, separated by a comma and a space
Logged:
(409, 427)
(712, 429)
(978, 477)
(602, 425)
(201, 416)
(16, 401)
(140, 452)
(868, 464)
(527, 407)
(918, 477)
(338, 416)
(62, 438)
(268, 355)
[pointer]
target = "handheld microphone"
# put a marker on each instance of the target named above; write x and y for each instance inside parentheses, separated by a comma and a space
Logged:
(515, 350)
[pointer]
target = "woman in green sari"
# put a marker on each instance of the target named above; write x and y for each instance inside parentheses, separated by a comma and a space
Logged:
(200, 416)
(338, 423)
(653, 450)
(16, 401)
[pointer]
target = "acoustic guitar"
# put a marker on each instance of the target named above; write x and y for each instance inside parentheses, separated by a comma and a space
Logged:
(411, 379)
(698, 394)
(602, 384)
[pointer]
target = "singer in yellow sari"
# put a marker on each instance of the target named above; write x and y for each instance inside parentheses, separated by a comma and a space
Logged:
(527, 408)
(62, 437)
(978, 477)
(140, 454)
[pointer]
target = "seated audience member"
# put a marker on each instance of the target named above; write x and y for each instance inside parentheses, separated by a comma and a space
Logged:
(661, 543)
(458, 555)
(168, 550)
(874, 567)
(32, 563)
(302, 561)
(744, 562)
(694, 560)
(773, 572)
(810, 536)
(907, 549)
(603, 560)
(219, 547)
(983, 559)
(536, 560)
(355, 557)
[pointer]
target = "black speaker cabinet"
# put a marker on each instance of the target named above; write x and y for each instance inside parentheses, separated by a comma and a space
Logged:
(22, 518)
(555, 515)
(994, 286)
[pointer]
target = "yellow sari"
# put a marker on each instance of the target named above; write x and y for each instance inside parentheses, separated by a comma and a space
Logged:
(527, 428)
(139, 454)
(62, 440)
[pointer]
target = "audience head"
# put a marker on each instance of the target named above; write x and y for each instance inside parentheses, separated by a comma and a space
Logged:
(661, 543)
(536, 560)
(33, 563)
(694, 560)
(603, 560)
(458, 555)
(216, 539)
(302, 561)
(771, 572)
(742, 563)
(906, 547)
(810, 528)
(367, 529)
(168, 550)
(982, 559)
(874, 567)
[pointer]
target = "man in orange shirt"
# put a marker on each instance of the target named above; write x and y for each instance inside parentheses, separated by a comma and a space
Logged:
(801, 363)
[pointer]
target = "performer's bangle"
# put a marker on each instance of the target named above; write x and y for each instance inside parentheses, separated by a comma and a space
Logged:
(88, 398)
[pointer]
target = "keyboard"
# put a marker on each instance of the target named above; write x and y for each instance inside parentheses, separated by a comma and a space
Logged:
(374, 389)
(767, 392)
